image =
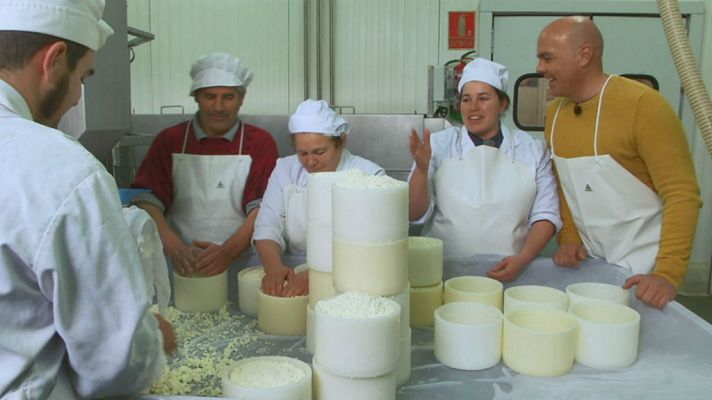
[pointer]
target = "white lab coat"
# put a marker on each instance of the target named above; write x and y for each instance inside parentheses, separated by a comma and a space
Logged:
(71, 287)
(450, 143)
(270, 223)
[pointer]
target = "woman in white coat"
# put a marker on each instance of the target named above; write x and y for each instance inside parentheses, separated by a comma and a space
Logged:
(319, 137)
(482, 188)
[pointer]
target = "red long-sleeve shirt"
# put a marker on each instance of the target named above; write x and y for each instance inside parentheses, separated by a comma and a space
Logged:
(156, 170)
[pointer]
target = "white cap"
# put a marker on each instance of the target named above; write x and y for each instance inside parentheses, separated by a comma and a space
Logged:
(485, 71)
(315, 116)
(76, 20)
(219, 69)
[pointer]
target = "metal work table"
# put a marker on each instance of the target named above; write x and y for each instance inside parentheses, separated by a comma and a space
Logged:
(674, 360)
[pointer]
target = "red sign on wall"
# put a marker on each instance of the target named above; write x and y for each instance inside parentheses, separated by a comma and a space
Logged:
(462, 30)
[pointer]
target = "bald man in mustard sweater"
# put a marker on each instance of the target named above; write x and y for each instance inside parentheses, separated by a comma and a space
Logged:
(627, 184)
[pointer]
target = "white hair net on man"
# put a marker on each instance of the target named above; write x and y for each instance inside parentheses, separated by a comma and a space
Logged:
(219, 69)
(315, 116)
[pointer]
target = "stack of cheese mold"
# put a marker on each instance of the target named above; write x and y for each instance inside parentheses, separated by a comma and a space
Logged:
(319, 241)
(468, 328)
(425, 273)
(370, 246)
(356, 347)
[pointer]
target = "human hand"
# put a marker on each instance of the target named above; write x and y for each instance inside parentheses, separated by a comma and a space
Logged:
(569, 255)
(273, 282)
(653, 290)
(183, 257)
(213, 260)
(420, 150)
(508, 268)
(297, 284)
(169, 337)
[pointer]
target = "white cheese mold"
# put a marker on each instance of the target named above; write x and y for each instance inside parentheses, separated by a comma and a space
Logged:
(468, 335)
(607, 335)
(423, 303)
(328, 386)
(357, 335)
(534, 295)
(200, 294)
(425, 261)
(249, 281)
(596, 292)
(539, 341)
(477, 289)
(284, 316)
(268, 378)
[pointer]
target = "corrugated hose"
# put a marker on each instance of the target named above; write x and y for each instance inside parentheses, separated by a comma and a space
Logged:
(687, 68)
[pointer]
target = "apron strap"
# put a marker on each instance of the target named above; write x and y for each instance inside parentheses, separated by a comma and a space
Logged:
(242, 136)
(185, 136)
(598, 120)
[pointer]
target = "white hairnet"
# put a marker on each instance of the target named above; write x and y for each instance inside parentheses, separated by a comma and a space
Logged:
(485, 71)
(76, 20)
(315, 116)
(219, 69)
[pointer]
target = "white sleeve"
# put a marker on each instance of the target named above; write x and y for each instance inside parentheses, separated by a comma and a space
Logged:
(88, 264)
(546, 202)
(270, 221)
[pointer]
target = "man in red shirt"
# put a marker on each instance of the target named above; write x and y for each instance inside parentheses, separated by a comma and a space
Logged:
(207, 175)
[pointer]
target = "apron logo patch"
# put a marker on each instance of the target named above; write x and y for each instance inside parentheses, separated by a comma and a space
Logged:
(219, 186)
(588, 188)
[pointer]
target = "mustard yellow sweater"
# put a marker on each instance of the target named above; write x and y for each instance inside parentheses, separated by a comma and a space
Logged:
(640, 130)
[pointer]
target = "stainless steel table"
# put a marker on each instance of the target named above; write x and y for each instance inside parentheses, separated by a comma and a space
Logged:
(674, 361)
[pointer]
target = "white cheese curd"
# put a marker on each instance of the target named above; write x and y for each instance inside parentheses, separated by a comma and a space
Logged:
(266, 374)
(356, 305)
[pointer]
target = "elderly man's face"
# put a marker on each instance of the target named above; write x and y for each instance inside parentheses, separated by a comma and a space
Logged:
(218, 108)
(557, 62)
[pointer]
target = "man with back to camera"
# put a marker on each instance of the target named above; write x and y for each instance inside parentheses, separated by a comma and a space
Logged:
(75, 320)
(627, 183)
(207, 175)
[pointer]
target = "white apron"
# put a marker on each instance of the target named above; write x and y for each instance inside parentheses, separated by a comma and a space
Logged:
(484, 198)
(295, 224)
(617, 216)
(207, 193)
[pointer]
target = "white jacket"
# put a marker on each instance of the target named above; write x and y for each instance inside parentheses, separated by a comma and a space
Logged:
(72, 295)
(451, 143)
(289, 171)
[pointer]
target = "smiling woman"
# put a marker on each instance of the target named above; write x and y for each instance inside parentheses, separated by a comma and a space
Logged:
(319, 137)
(483, 175)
